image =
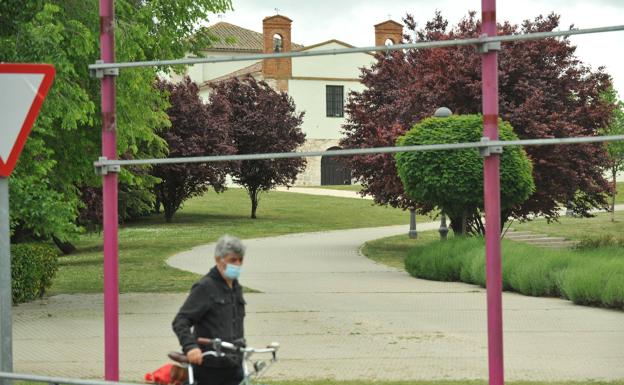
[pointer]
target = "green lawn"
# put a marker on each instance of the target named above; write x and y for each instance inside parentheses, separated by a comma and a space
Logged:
(619, 198)
(146, 244)
(392, 251)
(577, 228)
(356, 187)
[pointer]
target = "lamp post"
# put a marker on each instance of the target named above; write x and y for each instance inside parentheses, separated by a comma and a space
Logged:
(443, 112)
(413, 234)
(443, 230)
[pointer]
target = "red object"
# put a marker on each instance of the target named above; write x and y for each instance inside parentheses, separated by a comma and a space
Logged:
(168, 374)
(48, 72)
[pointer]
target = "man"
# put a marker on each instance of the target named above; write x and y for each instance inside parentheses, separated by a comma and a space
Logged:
(215, 308)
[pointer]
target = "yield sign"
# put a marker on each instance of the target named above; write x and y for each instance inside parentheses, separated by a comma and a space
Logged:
(23, 87)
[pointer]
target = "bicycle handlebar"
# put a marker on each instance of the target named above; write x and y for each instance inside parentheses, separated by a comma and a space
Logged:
(245, 354)
(218, 344)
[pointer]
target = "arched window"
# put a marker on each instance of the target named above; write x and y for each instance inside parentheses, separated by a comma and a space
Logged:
(334, 170)
(389, 42)
(277, 43)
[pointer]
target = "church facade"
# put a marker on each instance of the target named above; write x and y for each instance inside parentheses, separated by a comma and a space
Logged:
(319, 85)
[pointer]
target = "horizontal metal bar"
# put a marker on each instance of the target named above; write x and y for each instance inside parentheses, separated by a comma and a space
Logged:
(57, 380)
(343, 51)
(361, 151)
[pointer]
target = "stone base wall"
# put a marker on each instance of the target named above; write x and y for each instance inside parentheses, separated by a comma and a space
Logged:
(312, 175)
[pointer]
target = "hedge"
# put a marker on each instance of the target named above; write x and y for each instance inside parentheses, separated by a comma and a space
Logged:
(32, 268)
(592, 277)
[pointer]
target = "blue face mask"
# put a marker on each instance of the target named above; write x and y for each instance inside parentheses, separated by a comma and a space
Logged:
(232, 271)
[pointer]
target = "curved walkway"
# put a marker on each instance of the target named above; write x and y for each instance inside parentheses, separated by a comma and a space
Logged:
(337, 315)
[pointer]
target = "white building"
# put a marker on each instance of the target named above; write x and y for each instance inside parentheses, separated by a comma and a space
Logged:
(319, 85)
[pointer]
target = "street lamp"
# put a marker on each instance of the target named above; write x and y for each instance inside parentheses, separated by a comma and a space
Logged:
(443, 230)
(443, 112)
(413, 234)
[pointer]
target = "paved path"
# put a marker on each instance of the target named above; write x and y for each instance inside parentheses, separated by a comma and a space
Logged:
(338, 315)
(324, 192)
(353, 194)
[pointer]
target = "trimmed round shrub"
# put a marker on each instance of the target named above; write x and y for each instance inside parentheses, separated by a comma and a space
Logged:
(32, 268)
(453, 180)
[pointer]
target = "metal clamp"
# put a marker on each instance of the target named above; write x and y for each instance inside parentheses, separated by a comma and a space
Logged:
(100, 73)
(105, 169)
(488, 46)
(489, 149)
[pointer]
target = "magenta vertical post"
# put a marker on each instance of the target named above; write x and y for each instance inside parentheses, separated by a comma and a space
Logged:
(491, 184)
(109, 190)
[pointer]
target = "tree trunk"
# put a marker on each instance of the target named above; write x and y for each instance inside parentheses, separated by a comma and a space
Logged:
(479, 224)
(464, 222)
(614, 175)
(157, 204)
(64, 246)
(169, 211)
(253, 195)
(456, 225)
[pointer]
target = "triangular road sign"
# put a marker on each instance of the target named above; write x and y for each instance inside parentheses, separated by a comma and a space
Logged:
(23, 87)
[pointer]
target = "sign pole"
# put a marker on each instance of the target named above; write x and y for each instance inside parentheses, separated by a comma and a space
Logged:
(491, 184)
(6, 320)
(24, 87)
(109, 191)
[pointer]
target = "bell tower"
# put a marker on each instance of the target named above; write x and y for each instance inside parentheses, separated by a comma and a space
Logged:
(276, 31)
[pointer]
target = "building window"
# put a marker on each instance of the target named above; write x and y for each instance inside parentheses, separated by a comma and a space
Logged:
(335, 101)
(277, 43)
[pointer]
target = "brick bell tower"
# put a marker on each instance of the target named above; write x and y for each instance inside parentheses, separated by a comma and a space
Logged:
(389, 29)
(276, 31)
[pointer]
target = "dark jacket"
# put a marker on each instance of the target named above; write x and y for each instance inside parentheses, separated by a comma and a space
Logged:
(213, 310)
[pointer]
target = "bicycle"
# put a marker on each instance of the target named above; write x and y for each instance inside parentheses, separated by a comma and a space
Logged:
(259, 367)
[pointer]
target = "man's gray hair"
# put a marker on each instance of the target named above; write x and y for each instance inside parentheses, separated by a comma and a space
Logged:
(228, 244)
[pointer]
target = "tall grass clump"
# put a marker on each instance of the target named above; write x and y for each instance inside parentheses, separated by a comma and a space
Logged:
(606, 240)
(585, 276)
(596, 278)
(443, 261)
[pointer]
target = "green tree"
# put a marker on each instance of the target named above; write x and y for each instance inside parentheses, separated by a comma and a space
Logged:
(57, 161)
(615, 150)
(453, 180)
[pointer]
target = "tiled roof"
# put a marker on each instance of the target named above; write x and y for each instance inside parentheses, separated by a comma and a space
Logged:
(254, 69)
(235, 38)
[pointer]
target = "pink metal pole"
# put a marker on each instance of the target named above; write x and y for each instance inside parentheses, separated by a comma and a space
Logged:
(109, 150)
(491, 183)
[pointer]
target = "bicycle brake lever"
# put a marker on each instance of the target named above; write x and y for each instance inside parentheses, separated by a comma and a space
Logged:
(216, 343)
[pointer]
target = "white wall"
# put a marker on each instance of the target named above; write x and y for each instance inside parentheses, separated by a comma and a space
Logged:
(332, 66)
(200, 73)
(309, 96)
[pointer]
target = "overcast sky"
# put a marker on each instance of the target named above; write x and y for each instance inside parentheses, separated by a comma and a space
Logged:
(352, 21)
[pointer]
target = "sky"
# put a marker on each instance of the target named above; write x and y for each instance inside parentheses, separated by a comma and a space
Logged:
(352, 21)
